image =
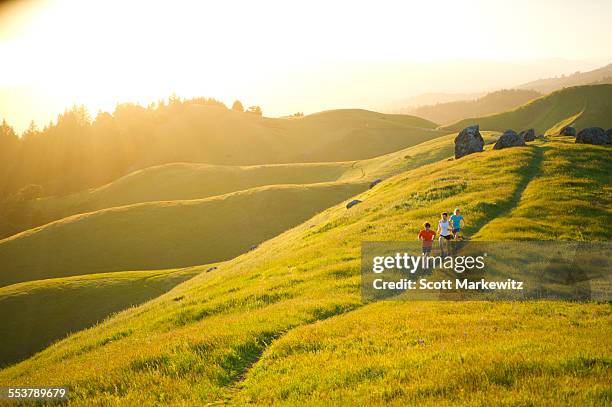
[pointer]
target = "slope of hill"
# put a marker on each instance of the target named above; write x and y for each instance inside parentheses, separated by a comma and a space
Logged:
(180, 181)
(582, 106)
(39, 312)
(493, 102)
(219, 136)
(576, 79)
(248, 332)
(76, 154)
(170, 181)
(210, 229)
(161, 235)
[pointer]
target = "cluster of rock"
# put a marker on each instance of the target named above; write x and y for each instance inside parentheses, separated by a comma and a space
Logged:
(590, 135)
(469, 140)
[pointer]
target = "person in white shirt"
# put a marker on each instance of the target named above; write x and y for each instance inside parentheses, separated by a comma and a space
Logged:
(445, 233)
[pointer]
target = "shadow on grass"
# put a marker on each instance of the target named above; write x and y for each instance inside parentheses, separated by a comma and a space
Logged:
(532, 170)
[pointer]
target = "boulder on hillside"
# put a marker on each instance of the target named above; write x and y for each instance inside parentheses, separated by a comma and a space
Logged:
(609, 132)
(568, 131)
(375, 182)
(509, 139)
(352, 203)
(528, 135)
(593, 135)
(468, 141)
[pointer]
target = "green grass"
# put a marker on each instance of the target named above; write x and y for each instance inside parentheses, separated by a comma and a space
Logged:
(183, 181)
(582, 106)
(192, 133)
(440, 353)
(574, 182)
(37, 313)
(270, 325)
(160, 235)
(175, 181)
(196, 231)
(215, 135)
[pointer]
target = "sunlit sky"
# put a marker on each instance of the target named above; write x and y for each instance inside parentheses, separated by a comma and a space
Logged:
(286, 56)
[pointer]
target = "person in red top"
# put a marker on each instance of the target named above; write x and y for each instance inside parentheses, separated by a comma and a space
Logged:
(427, 237)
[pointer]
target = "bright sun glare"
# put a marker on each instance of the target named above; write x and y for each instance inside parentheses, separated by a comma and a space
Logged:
(271, 52)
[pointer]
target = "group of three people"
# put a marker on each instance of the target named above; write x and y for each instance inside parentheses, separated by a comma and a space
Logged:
(448, 229)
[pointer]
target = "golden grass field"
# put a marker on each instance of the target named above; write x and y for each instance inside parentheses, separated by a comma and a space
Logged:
(36, 313)
(285, 324)
(121, 223)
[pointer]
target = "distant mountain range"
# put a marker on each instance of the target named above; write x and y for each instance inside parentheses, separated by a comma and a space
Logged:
(598, 76)
(447, 108)
(432, 98)
(491, 103)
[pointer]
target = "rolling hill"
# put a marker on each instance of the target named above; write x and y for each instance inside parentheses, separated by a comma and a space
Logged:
(583, 106)
(494, 102)
(209, 229)
(76, 154)
(170, 181)
(257, 329)
(215, 135)
(161, 235)
(184, 181)
(44, 311)
(575, 79)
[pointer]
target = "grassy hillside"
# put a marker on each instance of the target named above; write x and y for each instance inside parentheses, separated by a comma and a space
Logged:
(219, 136)
(493, 102)
(180, 181)
(440, 353)
(183, 181)
(189, 232)
(159, 235)
(583, 106)
(39, 312)
(77, 154)
(172, 181)
(252, 331)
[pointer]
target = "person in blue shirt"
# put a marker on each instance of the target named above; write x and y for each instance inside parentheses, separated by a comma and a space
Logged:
(458, 223)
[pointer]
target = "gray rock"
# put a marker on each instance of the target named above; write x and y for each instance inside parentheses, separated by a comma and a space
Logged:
(375, 182)
(468, 141)
(528, 135)
(593, 135)
(568, 131)
(541, 136)
(609, 132)
(509, 139)
(352, 203)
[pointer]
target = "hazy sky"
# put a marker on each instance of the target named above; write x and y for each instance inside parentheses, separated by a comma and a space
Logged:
(286, 55)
